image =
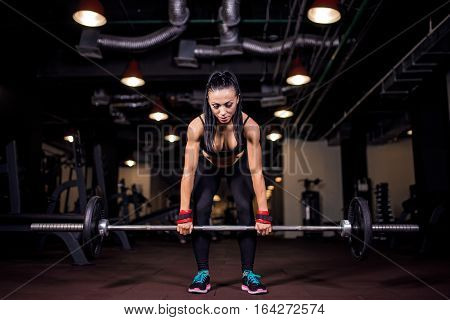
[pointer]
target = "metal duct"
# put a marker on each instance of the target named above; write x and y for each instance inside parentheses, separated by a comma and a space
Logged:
(229, 38)
(273, 48)
(178, 16)
(229, 33)
(122, 97)
(229, 12)
(136, 104)
(229, 15)
(205, 51)
(266, 48)
(178, 12)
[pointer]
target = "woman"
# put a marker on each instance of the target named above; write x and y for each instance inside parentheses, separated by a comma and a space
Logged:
(223, 141)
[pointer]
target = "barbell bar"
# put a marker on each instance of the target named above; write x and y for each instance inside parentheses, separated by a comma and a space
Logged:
(104, 228)
(358, 228)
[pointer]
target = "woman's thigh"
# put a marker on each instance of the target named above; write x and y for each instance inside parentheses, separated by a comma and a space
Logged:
(206, 184)
(240, 183)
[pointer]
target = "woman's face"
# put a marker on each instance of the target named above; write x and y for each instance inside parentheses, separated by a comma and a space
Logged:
(223, 103)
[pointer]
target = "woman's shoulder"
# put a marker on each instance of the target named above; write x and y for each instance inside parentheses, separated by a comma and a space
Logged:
(195, 128)
(200, 119)
(251, 128)
(248, 121)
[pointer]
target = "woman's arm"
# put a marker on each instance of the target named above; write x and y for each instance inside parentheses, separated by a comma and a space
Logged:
(255, 162)
(191, 154)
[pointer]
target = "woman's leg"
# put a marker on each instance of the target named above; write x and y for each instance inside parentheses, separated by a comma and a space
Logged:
(241, 186)
(207, 180)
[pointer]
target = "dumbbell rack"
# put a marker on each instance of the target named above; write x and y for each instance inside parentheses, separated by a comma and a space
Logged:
(383, 208)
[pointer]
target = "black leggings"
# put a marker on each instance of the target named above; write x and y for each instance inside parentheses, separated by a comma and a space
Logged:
(207, 181)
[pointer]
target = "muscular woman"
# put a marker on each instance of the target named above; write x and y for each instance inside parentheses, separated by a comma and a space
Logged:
(223, 142)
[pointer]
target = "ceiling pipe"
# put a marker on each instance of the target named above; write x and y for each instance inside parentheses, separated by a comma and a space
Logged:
(229, 34)
(268, 49)
(178, 17)
(272, 48)
(229, 16)
(141, 43)
(228, 27)
(229, 12)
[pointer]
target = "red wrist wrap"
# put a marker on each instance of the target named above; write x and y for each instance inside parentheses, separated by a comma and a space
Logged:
(263, 216)
(184, 216)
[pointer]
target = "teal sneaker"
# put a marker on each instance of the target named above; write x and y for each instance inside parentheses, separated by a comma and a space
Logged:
(200, 284)
(252, 284)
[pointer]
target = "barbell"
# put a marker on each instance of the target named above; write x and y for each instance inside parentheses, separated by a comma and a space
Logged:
(358, 228)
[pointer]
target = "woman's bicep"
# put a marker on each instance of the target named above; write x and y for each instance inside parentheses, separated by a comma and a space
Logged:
(192, 150)
(254, 148)
(191, 156)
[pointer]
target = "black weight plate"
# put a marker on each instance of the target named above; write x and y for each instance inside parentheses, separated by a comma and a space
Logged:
(361, 222)
(91, 239)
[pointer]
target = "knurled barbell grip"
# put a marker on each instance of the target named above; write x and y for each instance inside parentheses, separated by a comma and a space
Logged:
(57, 227)
(395, 228)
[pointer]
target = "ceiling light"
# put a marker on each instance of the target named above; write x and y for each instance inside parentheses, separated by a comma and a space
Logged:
(274, 136)
(270, 187)
(158, 116)
(297, 75)
(324, 12)
(130, 163)
(90, 13)
(68, 138)
(171, 135)
(132, 76)
(172, 138)
(409, 132)
(278, 179)
(158, 112)
(217, 198)
(283, 113)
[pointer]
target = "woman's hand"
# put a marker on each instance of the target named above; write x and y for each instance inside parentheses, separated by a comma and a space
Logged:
(185, 228)
(263, 228)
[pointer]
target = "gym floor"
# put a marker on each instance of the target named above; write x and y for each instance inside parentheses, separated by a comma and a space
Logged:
(161, 269)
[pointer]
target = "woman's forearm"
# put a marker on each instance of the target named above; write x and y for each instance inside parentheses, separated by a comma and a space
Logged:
(260, 190)
(255, 166)
(190, 166)
(187, 184)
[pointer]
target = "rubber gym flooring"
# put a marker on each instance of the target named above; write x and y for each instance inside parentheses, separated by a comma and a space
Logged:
(162, 269)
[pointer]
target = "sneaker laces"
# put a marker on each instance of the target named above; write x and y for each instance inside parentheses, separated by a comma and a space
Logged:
(200, 277)
(253, 277)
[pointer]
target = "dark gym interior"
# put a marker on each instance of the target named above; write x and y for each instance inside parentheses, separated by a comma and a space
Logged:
(99, 109)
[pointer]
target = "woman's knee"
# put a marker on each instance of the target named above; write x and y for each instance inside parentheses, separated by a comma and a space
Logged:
(245, 212)
(202, 214)
(246, 218)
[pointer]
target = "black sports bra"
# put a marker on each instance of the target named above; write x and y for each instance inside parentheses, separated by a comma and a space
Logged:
(225, 153)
